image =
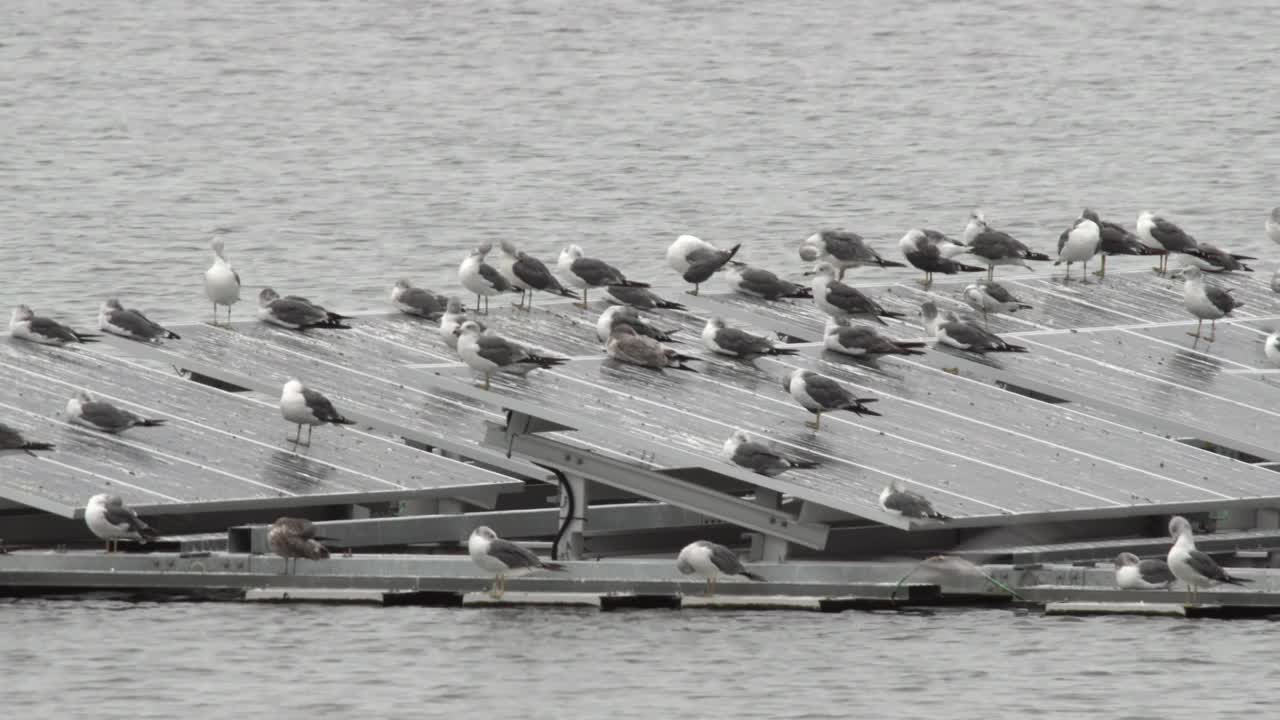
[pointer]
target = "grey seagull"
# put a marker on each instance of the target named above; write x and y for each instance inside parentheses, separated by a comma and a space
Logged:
(12, 439)
(819, 393)
(303, 406)
(503, 558)
(585, 273)
(24, 324)
(102, 415)
(724, 340)
(117, 320)
(897, 499)
(711, 560)
(293, 538)
(759, 457)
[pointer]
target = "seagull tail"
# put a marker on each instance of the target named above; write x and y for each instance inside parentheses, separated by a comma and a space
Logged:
(1242, 257)
(563, 292)
(805, 464)
(1233, 580)
(87, 337)
(1010, 347)
(152, 422)
(680, 364)
(1037, 256)
(36, 446)
(545, 362)
(783, 351)
(936, 515)
(968, 268)
(554, 567)
(800, 292)
(888, 263)
(859, 406)
(668, 305)
(891, 313)
(341, 421)
(147, 532)
(336, 318)
(752, 576)
(909, 349)
(171, 335)
(632, 283)
(1024, 306)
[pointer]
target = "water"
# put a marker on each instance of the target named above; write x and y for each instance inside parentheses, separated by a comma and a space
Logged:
(341, 145)
(117, 660)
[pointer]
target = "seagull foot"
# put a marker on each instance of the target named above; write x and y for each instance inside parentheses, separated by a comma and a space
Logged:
(1100, 273)
(299, 443)
(923, 283)
(811, 424)
(1195, 335)
(951, 370)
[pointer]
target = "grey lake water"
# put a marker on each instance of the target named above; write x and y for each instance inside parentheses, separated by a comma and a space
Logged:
(339, 145)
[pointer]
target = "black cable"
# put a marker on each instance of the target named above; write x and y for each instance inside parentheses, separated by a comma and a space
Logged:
(568, 517)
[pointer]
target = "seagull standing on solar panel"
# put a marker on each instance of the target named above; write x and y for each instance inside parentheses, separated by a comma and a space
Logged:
(488, 352)
(819, 393)
(1157, 231)
(1205, 301)
(585, 273)
(758, 457)
(1117, 240)
(995, 247)
(711, 560)
(527, 274)
(103, 416)
(842, 250)
(24, 324)
(931, 251)
(303, 406)
(1135, 574)
(697, 260)
(1272, 225)
(1078, 244)
(1191, 566)
(990, 297)
(481, 278)
(111, 520)
(221, 282)
(503, 558)
(132, 324)
(724, 340)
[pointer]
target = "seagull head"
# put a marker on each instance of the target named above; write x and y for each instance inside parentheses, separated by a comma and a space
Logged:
(1178, 527)
(911, 239)
(217, 246)
(834, 323)
(1124, 559)
(977, 216)
(812, 247)
(267, 296)
(929, 310)
(623, 330)
(112, 304)
(454, 306)
(483, 249)
(294, 385)
(715, 323)
(1088, 214)
(23, 312)
(470, 327)
(573, 252)
(99, 500)
(509, 248)
(740, 436)
(798, 373)
(402, 285)
(82, 396)
(483, 532)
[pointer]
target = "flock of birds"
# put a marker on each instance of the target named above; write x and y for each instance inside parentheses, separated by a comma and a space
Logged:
(629, 337)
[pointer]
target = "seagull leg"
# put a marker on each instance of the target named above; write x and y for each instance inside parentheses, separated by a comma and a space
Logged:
(986, 323)
(1067, 278)
(486, 379)
(694, 291)
(309, 429)
(584, 299)
(1213, 330)
(1196, 334)
(1103, 272)
(817, 421)
(991, 273)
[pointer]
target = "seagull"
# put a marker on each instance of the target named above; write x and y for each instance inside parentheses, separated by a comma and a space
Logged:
(585, 273)
(1191, 566)
(335, 319)
(842, 250)
(488, 352)
(132, 324)
(294, 314)
(1273, 225)
(411, 300)
(452, 320)
(863, 341)
(697, 260)
(897, 499)
(1079, 243)
(1135, 574)
(640, 298)
(296, 538)
(110, 519)
(931, 251)
(1275, 281)
(763, 284)
(11, 439)
(625, 345)
(303, 406)
(989, 297)
(1116, 240)
(481, 278)
(997, 248)
(102, 415)
(758, 457)
(963, 334)
(976, 223)
(1158, 231)
(843, 301)
(221, 282)
(24, 324)
(503, 558)
(724, 340)
(711, 560)
(1271, 348)
(528, 274)
(1211, 258)
(1206, 302)
(819, 393)
(625, 315)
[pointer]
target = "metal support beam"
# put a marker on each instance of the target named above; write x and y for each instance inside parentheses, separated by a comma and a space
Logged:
(647, 483)
(572, 516)
(768, 548)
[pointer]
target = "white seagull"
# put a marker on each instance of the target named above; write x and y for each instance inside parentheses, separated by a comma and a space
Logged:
(488, 352)
(1135, 574)
(111, 520)
(1078, 244)
(819, 393)
(585, 273)
(1273, 225)
(132, 324)
(221, 282)
(481, 278)
(724, 340)
(1206, 302)
(1191, 566)
(452, 320)
(102, 415)
(296, 538)
(303, 406)
(24, 324)
(711, 560)
(1271, 348)
(697, 260)
(897, 499)
(503, 558)
(759, 457)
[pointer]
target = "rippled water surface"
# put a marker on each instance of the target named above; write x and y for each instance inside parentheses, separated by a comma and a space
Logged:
(343, 144)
